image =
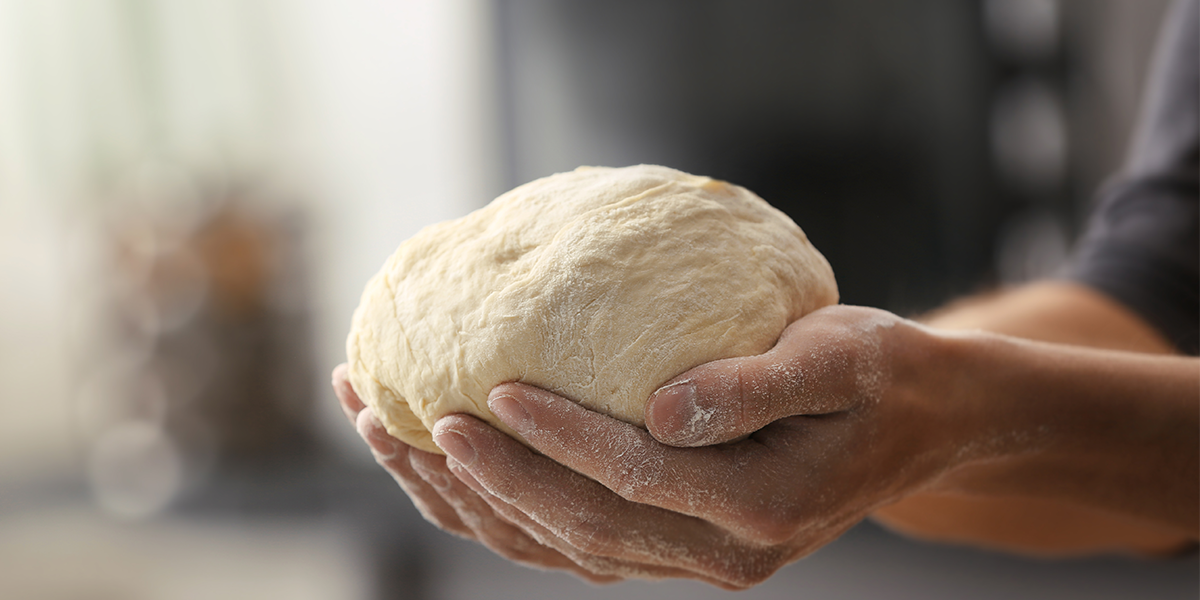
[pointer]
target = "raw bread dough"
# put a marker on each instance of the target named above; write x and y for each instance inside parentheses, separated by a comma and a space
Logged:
(599, 284)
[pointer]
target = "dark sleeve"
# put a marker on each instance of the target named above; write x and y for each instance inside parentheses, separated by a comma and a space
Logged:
(1142, 243)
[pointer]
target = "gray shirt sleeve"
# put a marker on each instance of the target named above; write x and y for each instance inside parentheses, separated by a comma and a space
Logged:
(1142, 242)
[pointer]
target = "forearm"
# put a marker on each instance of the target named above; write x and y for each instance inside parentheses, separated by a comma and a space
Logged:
(1054, 312)
(1112, 430)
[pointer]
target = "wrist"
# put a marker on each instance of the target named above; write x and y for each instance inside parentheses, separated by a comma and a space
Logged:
(935, 391)
(960, 375)
(1112, 430)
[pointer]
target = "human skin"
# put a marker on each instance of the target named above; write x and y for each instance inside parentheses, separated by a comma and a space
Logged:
(1053, 312)
(854, 411)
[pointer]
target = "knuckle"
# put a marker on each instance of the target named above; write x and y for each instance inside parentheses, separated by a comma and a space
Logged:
(617, 570)
(428, 513)
(517, 547)
(747, 392)
(598, 565)
(752, 569)
(754, 575)
(767, 524)
(633, 478)
(475, 520)
(502, 485)
(594, 536)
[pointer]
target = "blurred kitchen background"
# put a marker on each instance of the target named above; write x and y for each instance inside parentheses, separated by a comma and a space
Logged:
(192, 195)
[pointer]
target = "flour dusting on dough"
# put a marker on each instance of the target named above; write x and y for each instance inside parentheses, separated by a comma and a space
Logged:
(598, 284)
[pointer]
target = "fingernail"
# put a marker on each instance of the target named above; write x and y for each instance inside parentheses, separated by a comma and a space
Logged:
(455, 445)
(464, 475)
(673, 405)
(511, 412)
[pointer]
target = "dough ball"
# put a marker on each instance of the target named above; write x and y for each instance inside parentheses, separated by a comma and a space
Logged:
(599, 284)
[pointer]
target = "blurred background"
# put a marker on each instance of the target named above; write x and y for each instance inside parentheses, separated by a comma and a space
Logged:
(192, 195)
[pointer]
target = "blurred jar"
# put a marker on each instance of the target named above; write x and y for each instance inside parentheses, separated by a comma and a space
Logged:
(205, 362)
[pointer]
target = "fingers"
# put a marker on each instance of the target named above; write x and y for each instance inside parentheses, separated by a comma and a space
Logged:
(393, 456)
(614, 568)
(351, 404)
(624, 458)
(729, 399)
(444, 500)
(706, 405)
(509, 532)
(493, 531)
(741, 488)
(592, 519)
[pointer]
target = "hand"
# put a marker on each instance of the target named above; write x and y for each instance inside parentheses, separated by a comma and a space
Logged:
(450, 505)
(442, 499)
(826, 431)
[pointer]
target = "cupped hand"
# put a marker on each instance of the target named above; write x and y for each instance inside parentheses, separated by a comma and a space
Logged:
(820, 430)
(444, 500)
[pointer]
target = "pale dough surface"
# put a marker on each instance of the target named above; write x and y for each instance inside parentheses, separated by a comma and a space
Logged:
(599, 284)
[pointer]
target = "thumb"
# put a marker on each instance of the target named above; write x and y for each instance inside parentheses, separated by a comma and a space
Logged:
(731, 398)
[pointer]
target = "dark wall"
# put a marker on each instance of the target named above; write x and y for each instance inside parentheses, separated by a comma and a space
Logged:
(866, 121)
